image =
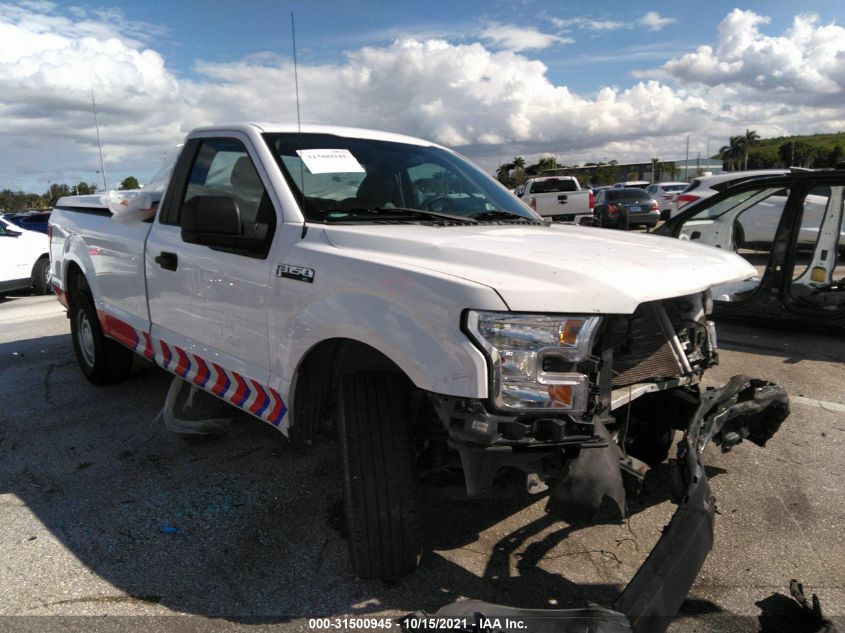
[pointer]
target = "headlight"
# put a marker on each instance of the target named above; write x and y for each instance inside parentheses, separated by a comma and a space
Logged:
(526, 349)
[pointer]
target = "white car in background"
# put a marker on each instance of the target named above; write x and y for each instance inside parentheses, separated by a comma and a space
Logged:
(664, 193)
(26, 260)
(706, 186)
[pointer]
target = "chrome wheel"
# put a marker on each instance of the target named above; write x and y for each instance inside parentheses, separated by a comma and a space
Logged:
(85, 338)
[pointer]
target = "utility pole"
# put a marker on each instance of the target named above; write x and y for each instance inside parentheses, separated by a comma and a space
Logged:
(686, 162)
(99, 144)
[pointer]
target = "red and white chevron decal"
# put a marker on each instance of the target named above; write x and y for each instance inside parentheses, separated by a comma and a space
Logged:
(245, 393)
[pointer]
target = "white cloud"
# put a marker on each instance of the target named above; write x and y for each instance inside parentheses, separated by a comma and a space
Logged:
(654, 21)
(590, 24)
(515, 38)
(803, 66)
(49, 66)
(491, 103)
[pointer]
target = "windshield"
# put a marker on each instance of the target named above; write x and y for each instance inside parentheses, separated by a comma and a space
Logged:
(625, 194)
(553, 185)
(331, 174)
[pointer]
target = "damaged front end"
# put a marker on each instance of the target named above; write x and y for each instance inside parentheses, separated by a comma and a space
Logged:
(744, 408)
(577, 401)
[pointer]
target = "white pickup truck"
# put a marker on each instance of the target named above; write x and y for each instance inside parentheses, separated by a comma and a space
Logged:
(558, 198)
(387, 285)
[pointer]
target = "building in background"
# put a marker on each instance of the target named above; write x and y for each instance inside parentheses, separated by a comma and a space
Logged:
(652, 171)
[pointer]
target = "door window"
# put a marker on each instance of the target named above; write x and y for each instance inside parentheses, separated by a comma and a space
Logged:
(746, 223)
(223, 168)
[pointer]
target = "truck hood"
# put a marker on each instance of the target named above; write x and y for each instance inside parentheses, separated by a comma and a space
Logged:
(556, 268)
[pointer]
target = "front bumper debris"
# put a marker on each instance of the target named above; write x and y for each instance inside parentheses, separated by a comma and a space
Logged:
(744, 408)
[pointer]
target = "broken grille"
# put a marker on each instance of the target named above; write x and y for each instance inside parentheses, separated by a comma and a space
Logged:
(641, 349)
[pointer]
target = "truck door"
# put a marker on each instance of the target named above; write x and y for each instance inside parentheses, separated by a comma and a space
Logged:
(209, 304)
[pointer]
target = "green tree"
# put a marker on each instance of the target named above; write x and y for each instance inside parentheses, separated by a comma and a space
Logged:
(519, 166)
(503, 174)
(748, 141)
(732, 153)
(835, 156)
(130, 182)
(56, 191)
(798, 154)
(84, 189)
(547, 162)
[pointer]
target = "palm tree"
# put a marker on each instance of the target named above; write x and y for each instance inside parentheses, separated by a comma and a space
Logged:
(519, 165)
(750, 139)
(733, 152)
(504, 173)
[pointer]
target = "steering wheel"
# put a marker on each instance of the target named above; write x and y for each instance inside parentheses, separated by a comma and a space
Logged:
(445, 203)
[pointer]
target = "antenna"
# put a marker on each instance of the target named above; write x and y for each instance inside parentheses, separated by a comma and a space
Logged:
(99, 144)
(298, 126)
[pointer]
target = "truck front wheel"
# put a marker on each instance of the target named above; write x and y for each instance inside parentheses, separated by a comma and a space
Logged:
(102, 360)
(379, 474)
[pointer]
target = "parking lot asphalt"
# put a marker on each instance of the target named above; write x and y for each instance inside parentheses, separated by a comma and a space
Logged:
(103, 512)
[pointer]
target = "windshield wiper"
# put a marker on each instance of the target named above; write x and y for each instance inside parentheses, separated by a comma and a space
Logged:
(501, 215)
(404, 213)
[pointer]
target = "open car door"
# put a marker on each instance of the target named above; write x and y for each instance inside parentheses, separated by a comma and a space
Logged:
(792, 230)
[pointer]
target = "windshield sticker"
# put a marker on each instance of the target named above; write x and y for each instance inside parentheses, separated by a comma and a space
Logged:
(329, 161)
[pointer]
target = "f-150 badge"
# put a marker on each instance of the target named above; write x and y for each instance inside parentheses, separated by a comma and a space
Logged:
(295, 272)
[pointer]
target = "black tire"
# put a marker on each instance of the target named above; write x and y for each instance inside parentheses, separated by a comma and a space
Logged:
(41, 276)
(102, 360)
(379, 474)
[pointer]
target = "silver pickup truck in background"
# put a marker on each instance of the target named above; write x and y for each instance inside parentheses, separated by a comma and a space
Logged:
(558, 198)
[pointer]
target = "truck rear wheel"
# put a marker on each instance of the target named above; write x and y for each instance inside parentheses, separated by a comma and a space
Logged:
(379, 474)
(102, 360)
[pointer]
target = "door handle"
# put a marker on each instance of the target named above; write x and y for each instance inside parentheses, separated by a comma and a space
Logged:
(168, 261)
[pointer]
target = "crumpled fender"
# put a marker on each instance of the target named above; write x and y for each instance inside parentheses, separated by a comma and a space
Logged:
(744, 408)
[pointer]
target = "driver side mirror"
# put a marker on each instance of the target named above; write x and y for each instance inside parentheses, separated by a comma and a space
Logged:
(215, 221)
(211, 220)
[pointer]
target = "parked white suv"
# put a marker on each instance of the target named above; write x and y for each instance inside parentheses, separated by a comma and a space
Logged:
(25, 262)
(706, 186)
(665, 193)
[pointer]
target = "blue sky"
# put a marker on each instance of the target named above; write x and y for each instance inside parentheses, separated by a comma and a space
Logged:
(222, 31)
(582, 80)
